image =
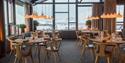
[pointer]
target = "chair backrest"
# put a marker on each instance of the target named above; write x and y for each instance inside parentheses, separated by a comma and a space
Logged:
(12, 42)
(18, 51)
(55, 42)
(26, 49)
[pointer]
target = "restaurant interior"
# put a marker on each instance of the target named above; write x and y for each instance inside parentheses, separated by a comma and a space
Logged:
(62, 31)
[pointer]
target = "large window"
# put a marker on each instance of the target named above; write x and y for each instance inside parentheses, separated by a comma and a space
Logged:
(20, 19)
(119, 21)
(45, 9)
(83, 14)
(5, 17)
(90, 0)
(72, 17)
(65, 14)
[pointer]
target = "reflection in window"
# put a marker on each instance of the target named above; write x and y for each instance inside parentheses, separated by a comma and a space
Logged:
(72, 17)
(83, 13)
(119, 21)
(90, 0)
(61, 7)
(46, 9)
(61, 0)
(61, 21)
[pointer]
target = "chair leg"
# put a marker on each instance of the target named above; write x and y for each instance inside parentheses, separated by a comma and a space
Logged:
(21, 60)
(59, 56)
(55, 57)
(32, 59)
(15, 61)
(108, 60)
(10, 56)
(97, 59)
(39, 53)
(83, 51)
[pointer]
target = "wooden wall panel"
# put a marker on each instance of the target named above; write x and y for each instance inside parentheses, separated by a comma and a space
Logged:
(97, 11)
(109, 7)
(120, 1)
(28, 21)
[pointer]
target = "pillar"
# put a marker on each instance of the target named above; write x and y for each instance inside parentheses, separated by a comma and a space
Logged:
(2, 31)
(109, 24)
(97, 10)
(28, 21)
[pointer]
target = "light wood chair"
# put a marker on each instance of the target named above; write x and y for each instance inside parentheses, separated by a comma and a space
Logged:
(79, 37)
(23, 51)
(53, 47)
(103, 53)
(12, 47)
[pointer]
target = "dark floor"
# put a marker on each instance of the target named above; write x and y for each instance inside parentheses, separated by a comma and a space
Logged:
(69, 53)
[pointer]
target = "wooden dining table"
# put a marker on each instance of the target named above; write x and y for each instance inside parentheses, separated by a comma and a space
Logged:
(37, 41)
(112, 42)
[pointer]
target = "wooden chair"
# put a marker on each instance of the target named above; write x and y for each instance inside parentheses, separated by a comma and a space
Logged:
(103, 53)
(12, 47)
(79, 37)
(86, 45)
(23, 51)
(53, 47)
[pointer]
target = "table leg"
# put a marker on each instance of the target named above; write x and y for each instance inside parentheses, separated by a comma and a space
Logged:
(39, 53)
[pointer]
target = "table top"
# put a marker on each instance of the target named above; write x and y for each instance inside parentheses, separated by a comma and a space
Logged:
(37, 40)
(109, 41)
(89, 31)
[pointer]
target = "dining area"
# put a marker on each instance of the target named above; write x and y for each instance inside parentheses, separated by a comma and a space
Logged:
(22, 47)
(62, 31)
(109, 47)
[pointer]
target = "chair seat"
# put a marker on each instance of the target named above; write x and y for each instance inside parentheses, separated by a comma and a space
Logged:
(109, 49)
(50, 49)
(41, 44)
(91, 45)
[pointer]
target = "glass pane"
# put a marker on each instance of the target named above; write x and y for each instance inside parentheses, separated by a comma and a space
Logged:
(46, 9)
(49, 1)
(72, 13)
(61, 7)
(20, 19)
(72, 26)
(90, 0)
(61, 21)
(72, 17)
(119, 21)
(72, 0)
(5, 18)
(119, 26)
(61, 0)
(83, 13)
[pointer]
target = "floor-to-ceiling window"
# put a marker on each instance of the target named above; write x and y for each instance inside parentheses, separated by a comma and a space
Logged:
(65, 14)
(83, 14)
(20, 13)
(61, 16)
(5, 16)
(20, 19)
(119, 21)
(46, 10)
